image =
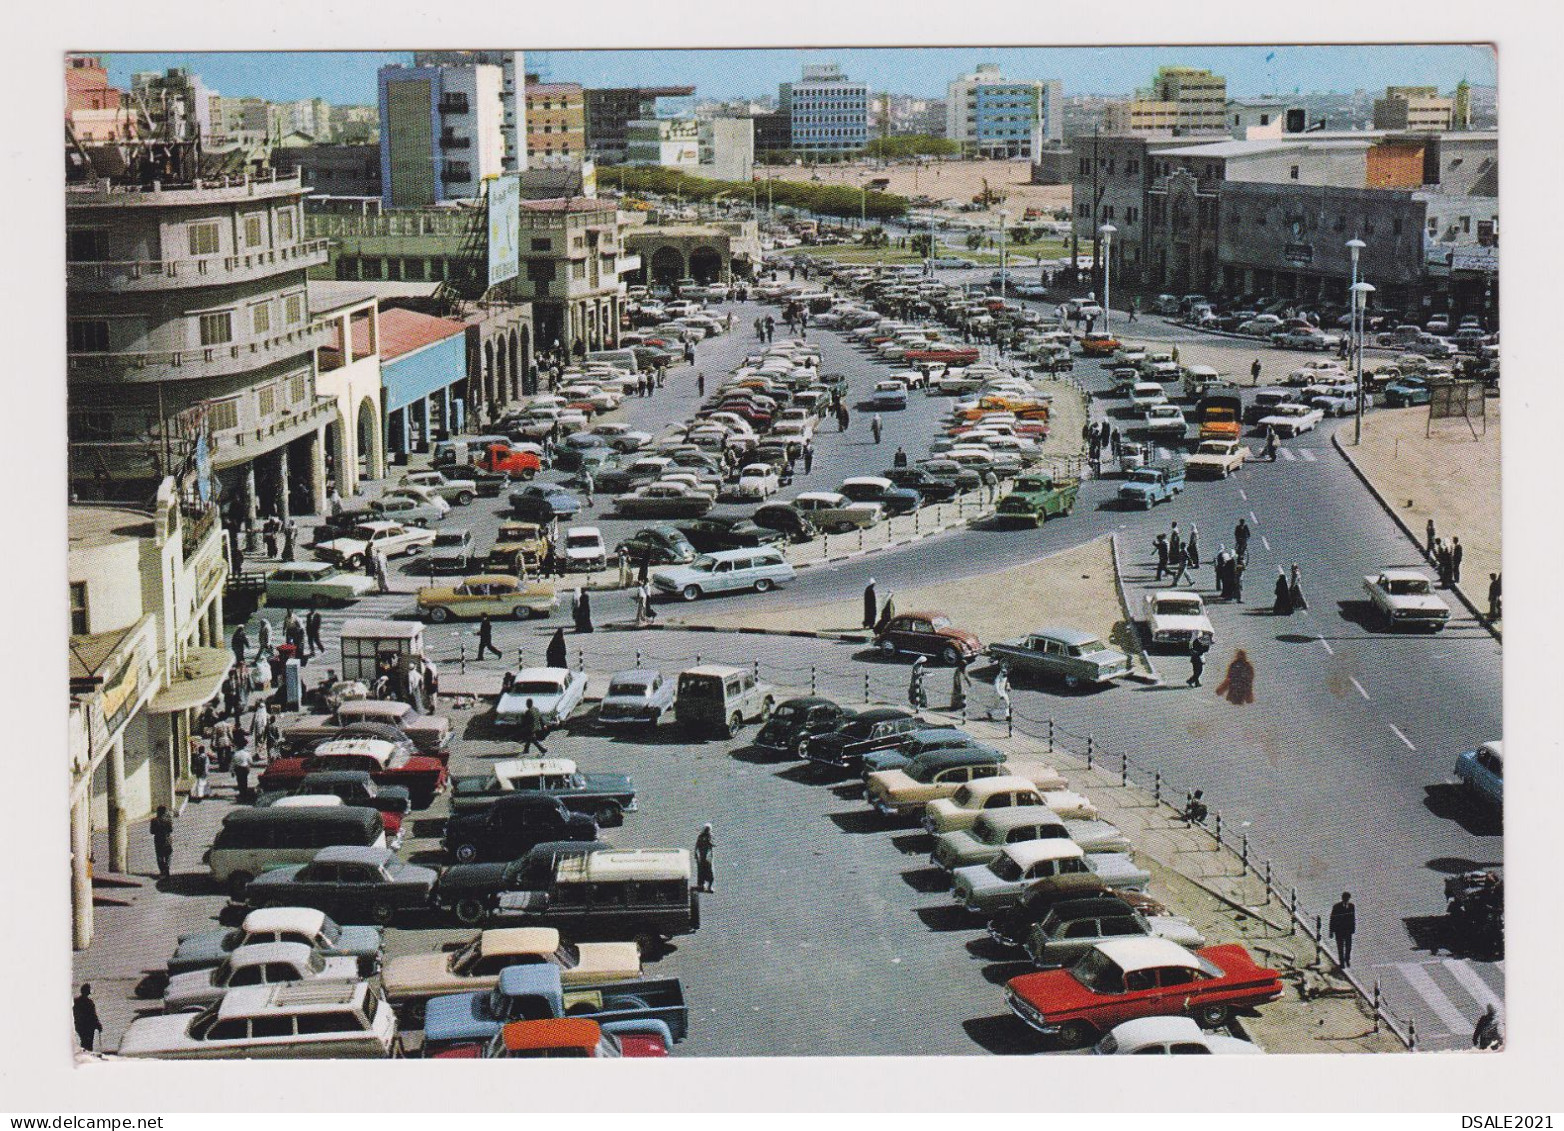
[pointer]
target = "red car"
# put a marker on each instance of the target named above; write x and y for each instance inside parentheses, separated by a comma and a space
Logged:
(928, 634)
(423, 777)
(571, 1037)
(1145, 977)
(949, 356)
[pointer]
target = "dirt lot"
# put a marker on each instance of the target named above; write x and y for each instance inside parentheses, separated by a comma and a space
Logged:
(941, 180)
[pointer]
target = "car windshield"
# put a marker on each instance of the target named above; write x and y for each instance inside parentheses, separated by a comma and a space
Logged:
(1213, 449)
(1174, 607)
(704, 564)
(940, 621)
(1099, 973)
(1144, 476)
(1407, 586)
(628, 687)
(1086, 648)
(363, 533)
(536, 687)
(449, 539)
(581, 540)
(1006, 869)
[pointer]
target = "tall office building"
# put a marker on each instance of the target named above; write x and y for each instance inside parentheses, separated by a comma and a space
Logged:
(826, 112)
(993, 116)
(513, 103)
(1413, 108)
(442, 132)
(610, 110)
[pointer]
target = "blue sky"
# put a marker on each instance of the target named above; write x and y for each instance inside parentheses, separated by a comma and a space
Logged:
(349, 77)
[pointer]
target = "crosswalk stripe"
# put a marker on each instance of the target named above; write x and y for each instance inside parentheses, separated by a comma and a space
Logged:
(1472, 983)
(1287, 454)
(1307, 454)
(1455, 1021)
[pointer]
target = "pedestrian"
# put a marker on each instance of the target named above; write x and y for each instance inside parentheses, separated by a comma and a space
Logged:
(643, 571)
(333, 502)
(231, 694)
(1270, 443)
(876, 426)
(1429, 545)
(887, 611)
(958, 686)
(84, 1015)
(236, 550)
(584, 613)
(1487, 1035)
(1343, 924)
(369, 565)
(290, 540)
(1295, 591)
(871, 604)
(1161, 544)
(382, 580)
(1175, 355)
(1495, 597)
(486, 638)
(587, 485)
(556, 656)
(1192, 547)
(1254, 371)
(1241, 537)
(292, 629)
(269, 535)
(550, 563)
(199, 764)
(1175, 541)
(242, 761)
(532, 730)
(1116, 441)
(1456, 554)
(700, 384)
(703, 869)
(900, 458)
(1178, 557)
(1237, 687)
(162, 828)
(809, 456)
(645, 613)
(1237, 578)
(1223, 563)
(431, 681)
(263, 640)
(917, 697)
(222, 743)
(312, 626)
(1001, 709)
(1197, 659)
(1283, 604)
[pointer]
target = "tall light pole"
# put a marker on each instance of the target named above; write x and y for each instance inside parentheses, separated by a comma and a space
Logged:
(1107, 231)
(1004, 220)
(1354, 332)
(1360, 293)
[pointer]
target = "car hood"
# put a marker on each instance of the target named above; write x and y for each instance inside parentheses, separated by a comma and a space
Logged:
(459, 1017)
(149, 1035)
(203, 949)
(585, 551)
(1177, 929)
(472, 877)
(1424, 602)
(960, 843)
(1117, 869)
(977, 879)
(953, 633)
(609, 783)
(185, 991)
(421, 973)
(1181, 622)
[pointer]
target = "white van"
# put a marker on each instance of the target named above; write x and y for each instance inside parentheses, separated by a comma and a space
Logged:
(759, 569)
(306, 1021)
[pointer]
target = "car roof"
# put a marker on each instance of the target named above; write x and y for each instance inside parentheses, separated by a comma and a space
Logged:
(807, 701)
(490, 579)
(541, 673)
(1017, 815)
(929, 613)
(551, 1033)
(328, 777)
(1405, 575)
(945, 756)
(306, 567)
(1029, 852)
(519, 940)
(377, 748)
(258, 954)
(1067, 635)
(718, 670)
(635, 675)
(306, 997)
(881, 714)
(985, 787)
(530, 978)
(1091, 905)
(627, 864)
(354, 854)
(307, 920)
(515, 767)
(1141, 953)
(591, 530)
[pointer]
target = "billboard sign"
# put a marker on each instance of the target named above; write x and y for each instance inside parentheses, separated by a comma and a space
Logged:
(504, 197)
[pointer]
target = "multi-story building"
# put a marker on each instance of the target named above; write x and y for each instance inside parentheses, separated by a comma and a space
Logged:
(1251, 119)
(146, 653)
(355, 125)
(331, 169)
(443, 131)
(1112, 175)
(178, 105)
(672, 143)
(556, 124)
(993, 116)
(610, 110)
(773, 133)
(722, 149)
(826, 112)
(1201, 98)
(571, 252)
(1140, 116)
(1413, 108)
(513, 100)
(95, 111)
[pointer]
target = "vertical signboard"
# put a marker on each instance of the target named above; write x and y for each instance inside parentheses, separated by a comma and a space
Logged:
(504, 198)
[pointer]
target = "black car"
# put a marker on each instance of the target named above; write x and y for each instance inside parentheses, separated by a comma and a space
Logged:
(512, 825)
(606, 797)
(795, 720)
(659, 545)
(470, 890)
(336, 525)
(716, 533)
(933, 488)
(883, 728)
(786, 518)
(351, 884)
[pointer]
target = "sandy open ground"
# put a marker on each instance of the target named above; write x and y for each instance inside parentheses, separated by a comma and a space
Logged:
(941, 180)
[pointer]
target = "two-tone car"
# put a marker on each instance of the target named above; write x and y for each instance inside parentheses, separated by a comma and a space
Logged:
(555, 693)
(986, 889)
(1072, 928)
(1153, 484)
(259, 964)
(430, 733)
(639, 697)
(1292, 419)
(315, 583)
(607, 797)
(309, 926)
(1012, 788)
(352, 884)
(1481, 772)
(388, 539)
(905, 792)
(490, 594)
(920, 742)
(1070, 655)
(996, 829)
(1170, 1036)
(927, 633)
(1216, 459)
(387, 763)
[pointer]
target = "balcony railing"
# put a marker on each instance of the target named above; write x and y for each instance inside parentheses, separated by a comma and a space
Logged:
(451, 141)
(207, 270)
(455, 104)
(169, 192)
(193, 364)
(242, 443)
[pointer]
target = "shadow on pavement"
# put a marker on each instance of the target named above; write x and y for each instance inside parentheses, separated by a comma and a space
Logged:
(914, 843)
(948, 917)
(987, 950)
(1004, 1035)
(1454, 803)
(1455, 865)
(427, 827)
(188, 883)
(858, 821)
(152, 986)
(926, 880)
(998, 973)
(1443, 934)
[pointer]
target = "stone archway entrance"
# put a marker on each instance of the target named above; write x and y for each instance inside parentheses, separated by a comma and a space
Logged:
(667, 265)
(705, 265)
(371, 457)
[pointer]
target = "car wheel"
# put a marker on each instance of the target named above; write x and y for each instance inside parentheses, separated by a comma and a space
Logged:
(414, 550)
(465, 498)
(236, 885)
(470, 911)
(763, 585)
(887, 647)
(608, 815)
(950, 655)
(1211, 1016)
(355, 561)
(735, 724)
(521, 612)
(466, 853)
(691, 592)
(1072, 682)
(1076, 1034)
(649, 943)
(439, 614)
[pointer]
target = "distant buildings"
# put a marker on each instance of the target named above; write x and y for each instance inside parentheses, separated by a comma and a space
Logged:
(720, 148)
(1182, 101)
(556, 124)
(1251, 119)
(992, 116)
(443, 130)
(1413, 108)
(826, 112)
(610, 110)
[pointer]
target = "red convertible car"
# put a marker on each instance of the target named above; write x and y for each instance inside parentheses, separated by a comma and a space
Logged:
(1145, 977)
(386, 763)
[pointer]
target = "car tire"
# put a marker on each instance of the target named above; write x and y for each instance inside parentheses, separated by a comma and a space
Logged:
(1075, 1034)
(439, 614)
(465, 498)
(237, 882)
(951, 655)
(887, 647)
(763, 585)
(382, 914)
(466, 853)
(1072, 682)
(470, 911)
(649, 943)
(735, 724)
(690, 592)
(1211, 1016)
(354, 561)
(609, 815)
(521, 612)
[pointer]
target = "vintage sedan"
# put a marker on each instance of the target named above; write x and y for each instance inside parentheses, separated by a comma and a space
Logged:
(353, 884)
(518, 546)
(1073, 927)
(583, 549)
(796, 721)
(622, 437)
(877, 489)
(542, 502)
(1073, 657)
(927, 634)
(1166, 420)
(725, 571)
(1481, 771)
(1175, 617)
(390, 539)
(430, 733)
(663, 500)
(408, 508)
(986, 889)
(1216, 458)
(855, 735)
(387, 763)
(836, 513)
(1145, 395)
(1099, 344)
(352, 787)
(607, 797)
(1120, 981)
(930, 738)
(309, 926)
(905, 792)
(656, 545)
(261, 964)
(315, 583)
(997, 828)
(554, 692)
(1176, 1036)
(1292, 419)
(490, 594)
(640, 697)
(1405, 597)
(757, 481)
(713, 533)
(962, 808)
(1407, 391)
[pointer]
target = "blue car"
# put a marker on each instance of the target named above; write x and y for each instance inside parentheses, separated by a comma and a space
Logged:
(1482, 771)
(1407, 391)
(548, 500)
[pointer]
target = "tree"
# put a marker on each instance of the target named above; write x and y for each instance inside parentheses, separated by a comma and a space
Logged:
(923, 244)
(876, 237)
(976, 239)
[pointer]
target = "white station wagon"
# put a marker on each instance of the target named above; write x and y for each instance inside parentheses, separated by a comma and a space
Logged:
(317, 1020)
(721, 571)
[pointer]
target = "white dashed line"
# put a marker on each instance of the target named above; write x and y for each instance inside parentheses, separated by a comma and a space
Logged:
(1266, 542)
(1242, 494)
(1307, 454)
(1401, 736)
(1287, 455)
(1253, 519)
(1365, 695)
(1328, 649)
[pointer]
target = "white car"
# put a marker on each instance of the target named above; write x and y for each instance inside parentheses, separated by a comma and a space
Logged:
(757, 481)
(1170, 1035)
(1305, 339)
(1291, 419)
(621, 437)
(1262, 326)
(836, 513)
(554, 692)
(1310, 372)
(1147, 394)
(761, 569)
(1216, 457)
(392, 539)
(584, 549)
(600, 399)
(263, 964)
(1166, 420)
(1332, 401)
(402, 505)
(1174, 617)
(1406, 597)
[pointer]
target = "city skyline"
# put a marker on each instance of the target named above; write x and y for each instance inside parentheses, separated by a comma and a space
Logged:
(348, 77)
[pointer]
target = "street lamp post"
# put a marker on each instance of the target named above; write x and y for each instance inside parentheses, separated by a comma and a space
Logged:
(1004, 219)
(1107, 231)
(1360, 293)
(1354, 331)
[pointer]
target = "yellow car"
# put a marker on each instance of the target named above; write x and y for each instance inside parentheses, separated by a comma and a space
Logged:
(520, 545)
(1022, 407)
(497, 595)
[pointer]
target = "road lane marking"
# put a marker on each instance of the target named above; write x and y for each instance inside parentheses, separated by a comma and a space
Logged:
(1471, 983)
(1307, 454)
(1401, 736)
(1287, 455)
(1331, 651)
(1253, 519)
(1242, 494)
(1266, 542)
(1455, 1021)
(1359, 686)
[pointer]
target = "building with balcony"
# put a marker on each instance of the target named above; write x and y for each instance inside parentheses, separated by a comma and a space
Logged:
(992, 116)
(423, 368)
(826, 112)
(347, 373)
(1413, 108)
(570, 265)
(513, 101)
(146, 653)
(94, 110)
(189, 338)
(556, 124)
(332, 170)
(610, 110)
(443, 132)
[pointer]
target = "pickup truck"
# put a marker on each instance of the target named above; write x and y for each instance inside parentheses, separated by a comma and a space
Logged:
(1033, 499)
(607, 797)
(453, 490)
(835, 513)
(1149, 486)
(1405, 597)
(460, 1025)
(522, 463)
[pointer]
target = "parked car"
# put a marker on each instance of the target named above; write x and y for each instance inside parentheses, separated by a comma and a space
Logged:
(656, 545)
(1305, 339)
(555, 693)
(926, 739)
(723, 571)
(453, 549)
(607, 797)
(877, 489)
(713, 533)
(985, 889)
(1120, 981)
(1072, 928)
(1069, 655)
(1011, 927)
(344, 1019)
(640, 697)
(1175, 617)
(663, 500)
(472, 891)
(1292, 419)
(905, 792)
(643, 894)
(409, 509)
(390, 539)
(447, 484)
(584, 550)
(511, 825)
(387, 763)
(315, 583)
(1406, 391)
(263, 964)
(351, 787)
(933, 488)
(1145, 394)
(929, 634)
(490, 594)
(1170, 1036)
(1405, 597)
(429, 733)
(961, 809)
(543, 502)
(834, 512)
(713, 699)
(1481, 771)
(355, 885)
(1020, 824)
(844, 747)
(518, 547)
(800, 720)
(1167, 421)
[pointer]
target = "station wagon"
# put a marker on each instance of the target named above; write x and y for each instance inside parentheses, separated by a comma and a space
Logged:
(726, 570)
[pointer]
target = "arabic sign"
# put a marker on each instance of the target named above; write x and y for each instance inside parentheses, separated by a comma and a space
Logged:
(504, 227)
(1300, 253)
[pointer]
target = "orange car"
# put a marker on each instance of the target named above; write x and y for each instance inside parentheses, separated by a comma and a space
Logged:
(1021, 408)
(1099, 344)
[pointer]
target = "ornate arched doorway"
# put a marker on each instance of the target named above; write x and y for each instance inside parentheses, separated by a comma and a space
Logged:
(667, 265)
(705, 265)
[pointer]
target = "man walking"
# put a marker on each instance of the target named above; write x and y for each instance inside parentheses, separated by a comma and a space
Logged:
(382, 580)
(1192, 547)
(1179, 559)
(900, 458)
(1428, 547)
(241, 764)
(588, 485)
(532, 729)
(1254, 371)
(1197, 660)
(1456, 554)
(877, 427)
(312, 627)
(1343, 922)
(703, 870)
(199, 764)
(1270, 443)
(162, 829)
(241, 644)
(1241, 537)
(809, 457)
(871, 604)
(486, 639)
(84, 1015)
(1161, 543)
(917, 697)
(1495, 597)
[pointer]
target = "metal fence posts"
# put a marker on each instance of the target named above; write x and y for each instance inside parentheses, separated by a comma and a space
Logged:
(1243, 853)
(1219, 830)
(637, 657)
(866, 687)
(1376, 1005)
(581, 659)
(1317, 932)
(1292, 911)
(1050, 734)
(1124, 770)
(463, 645)
(1090, 753)
(811, 679)
(1156, 787)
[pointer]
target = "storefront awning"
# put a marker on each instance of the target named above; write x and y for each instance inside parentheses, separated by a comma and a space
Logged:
(195, 682)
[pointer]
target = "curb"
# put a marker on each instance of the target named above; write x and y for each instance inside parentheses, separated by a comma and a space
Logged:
(844, 635)
(1155, 679)
(1481, 619)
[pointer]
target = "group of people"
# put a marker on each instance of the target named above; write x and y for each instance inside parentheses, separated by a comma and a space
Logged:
(765, 328)
(1447, 556)
(1102, 437)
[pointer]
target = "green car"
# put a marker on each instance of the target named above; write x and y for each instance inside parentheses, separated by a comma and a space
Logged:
(1033, 499)
(314, 583)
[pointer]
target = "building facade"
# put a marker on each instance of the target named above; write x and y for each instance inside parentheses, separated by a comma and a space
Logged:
(992, 116)
(1251, 119)
(713, 252)
(1413, 108)
(332, 170)
(826, 112)
(94, 110)
(513, 102)
(570, 250)
(672, 143)
(1201, 98)
(556, 124)
(610, 110)
(442, 132)
(773, 133)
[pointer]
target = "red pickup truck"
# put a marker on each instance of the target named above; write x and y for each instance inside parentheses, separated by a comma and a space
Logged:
(515, 461)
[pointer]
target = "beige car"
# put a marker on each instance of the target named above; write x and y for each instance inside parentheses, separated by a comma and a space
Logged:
(413, 979)
(962, 808)
(497, 595)
(896, 793)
